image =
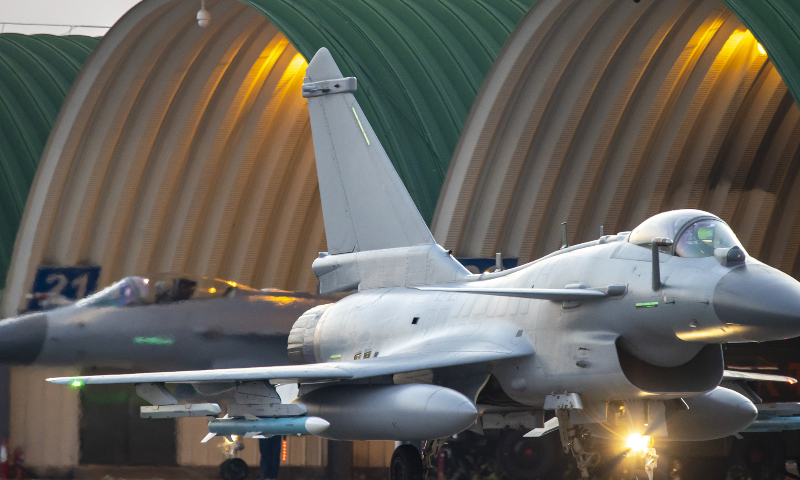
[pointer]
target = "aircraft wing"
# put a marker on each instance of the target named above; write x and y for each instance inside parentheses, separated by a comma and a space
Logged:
(733, 376)
(480, 352)
(554, 294)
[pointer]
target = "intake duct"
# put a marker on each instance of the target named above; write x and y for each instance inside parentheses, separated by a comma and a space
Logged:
(301, 337)
(699, 375)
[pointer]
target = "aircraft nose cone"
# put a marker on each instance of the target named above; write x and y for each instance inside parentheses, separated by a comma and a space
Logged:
(759, 303)
(22, 338)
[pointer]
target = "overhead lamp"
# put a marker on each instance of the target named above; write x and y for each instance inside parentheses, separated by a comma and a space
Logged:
(203, 15)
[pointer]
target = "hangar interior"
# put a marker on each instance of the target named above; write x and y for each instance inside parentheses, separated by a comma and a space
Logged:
(166, 147)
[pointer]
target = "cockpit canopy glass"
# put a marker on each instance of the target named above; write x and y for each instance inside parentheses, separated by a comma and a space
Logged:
(700, 233)
(128, 291)
(702, 237)
(147, 291)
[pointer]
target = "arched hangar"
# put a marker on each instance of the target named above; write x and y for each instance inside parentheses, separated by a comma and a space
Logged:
(187, 149)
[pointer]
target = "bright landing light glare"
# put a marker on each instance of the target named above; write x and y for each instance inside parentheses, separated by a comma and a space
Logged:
(637, 443)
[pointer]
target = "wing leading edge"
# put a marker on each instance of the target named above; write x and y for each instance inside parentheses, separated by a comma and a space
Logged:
(733, 376)
(346, 370)
(553, 294)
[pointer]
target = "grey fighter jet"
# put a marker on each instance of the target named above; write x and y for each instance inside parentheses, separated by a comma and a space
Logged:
(616, 337)
(160, 322)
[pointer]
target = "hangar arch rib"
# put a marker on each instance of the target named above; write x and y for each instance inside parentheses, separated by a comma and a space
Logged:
(419, 64)
(187, 149)
(126, 182)
(605, 116)
(179, 149)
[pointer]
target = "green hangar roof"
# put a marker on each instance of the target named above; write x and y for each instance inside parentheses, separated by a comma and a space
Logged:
(36, 73)
(776, 24)
(419, 63)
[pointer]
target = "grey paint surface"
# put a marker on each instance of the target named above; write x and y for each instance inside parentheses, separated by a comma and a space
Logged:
(364, 202)
(401, 412)
(247, 329)
(426, 323)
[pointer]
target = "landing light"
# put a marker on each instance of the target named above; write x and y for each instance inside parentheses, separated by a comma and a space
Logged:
(761, 50)
(638, 443)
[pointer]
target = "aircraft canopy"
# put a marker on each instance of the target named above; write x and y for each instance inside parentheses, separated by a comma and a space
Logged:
(147, 291)
(694, 233)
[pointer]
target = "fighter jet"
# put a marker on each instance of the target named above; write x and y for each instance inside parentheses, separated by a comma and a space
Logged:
(159, 322)
(619, 337)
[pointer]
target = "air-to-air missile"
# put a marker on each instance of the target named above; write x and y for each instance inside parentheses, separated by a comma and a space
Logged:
(158, 322)
(618, 336)
(266, 427)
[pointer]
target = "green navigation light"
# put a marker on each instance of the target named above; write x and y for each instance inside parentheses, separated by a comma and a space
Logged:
(153, 340)
(647, 305)
(77, 383)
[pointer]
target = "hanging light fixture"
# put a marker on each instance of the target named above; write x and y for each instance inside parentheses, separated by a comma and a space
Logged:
(203, 15)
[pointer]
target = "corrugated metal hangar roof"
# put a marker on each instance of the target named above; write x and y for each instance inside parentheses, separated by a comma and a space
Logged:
(36, 72)
(188, 149)
(184, 149)
(610, 114)
(776, 24)
(419, 65)
(164, 163)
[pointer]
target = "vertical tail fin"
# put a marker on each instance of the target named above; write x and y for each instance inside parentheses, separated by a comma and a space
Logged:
(364, 203)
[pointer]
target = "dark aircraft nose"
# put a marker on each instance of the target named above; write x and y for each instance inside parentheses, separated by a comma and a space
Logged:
(22, 338)
(759, 303)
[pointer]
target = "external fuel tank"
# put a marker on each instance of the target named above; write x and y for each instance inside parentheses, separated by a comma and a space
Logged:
(390, 412)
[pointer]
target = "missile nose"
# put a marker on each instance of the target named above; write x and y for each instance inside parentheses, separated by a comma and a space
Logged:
(316, 425)
(759, 303)
(22, 338)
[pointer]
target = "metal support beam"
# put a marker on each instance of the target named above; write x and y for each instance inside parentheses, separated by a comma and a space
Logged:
(340, 459)
(5, 402)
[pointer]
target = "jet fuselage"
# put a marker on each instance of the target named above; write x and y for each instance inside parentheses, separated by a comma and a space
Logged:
(576, 345)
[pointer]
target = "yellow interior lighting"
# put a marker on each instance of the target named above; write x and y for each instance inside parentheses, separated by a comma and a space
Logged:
(282, 301)
(638, 443)
(748, 35)
(265, 64)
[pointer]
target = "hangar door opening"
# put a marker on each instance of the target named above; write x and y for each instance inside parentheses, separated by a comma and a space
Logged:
(113, 433)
